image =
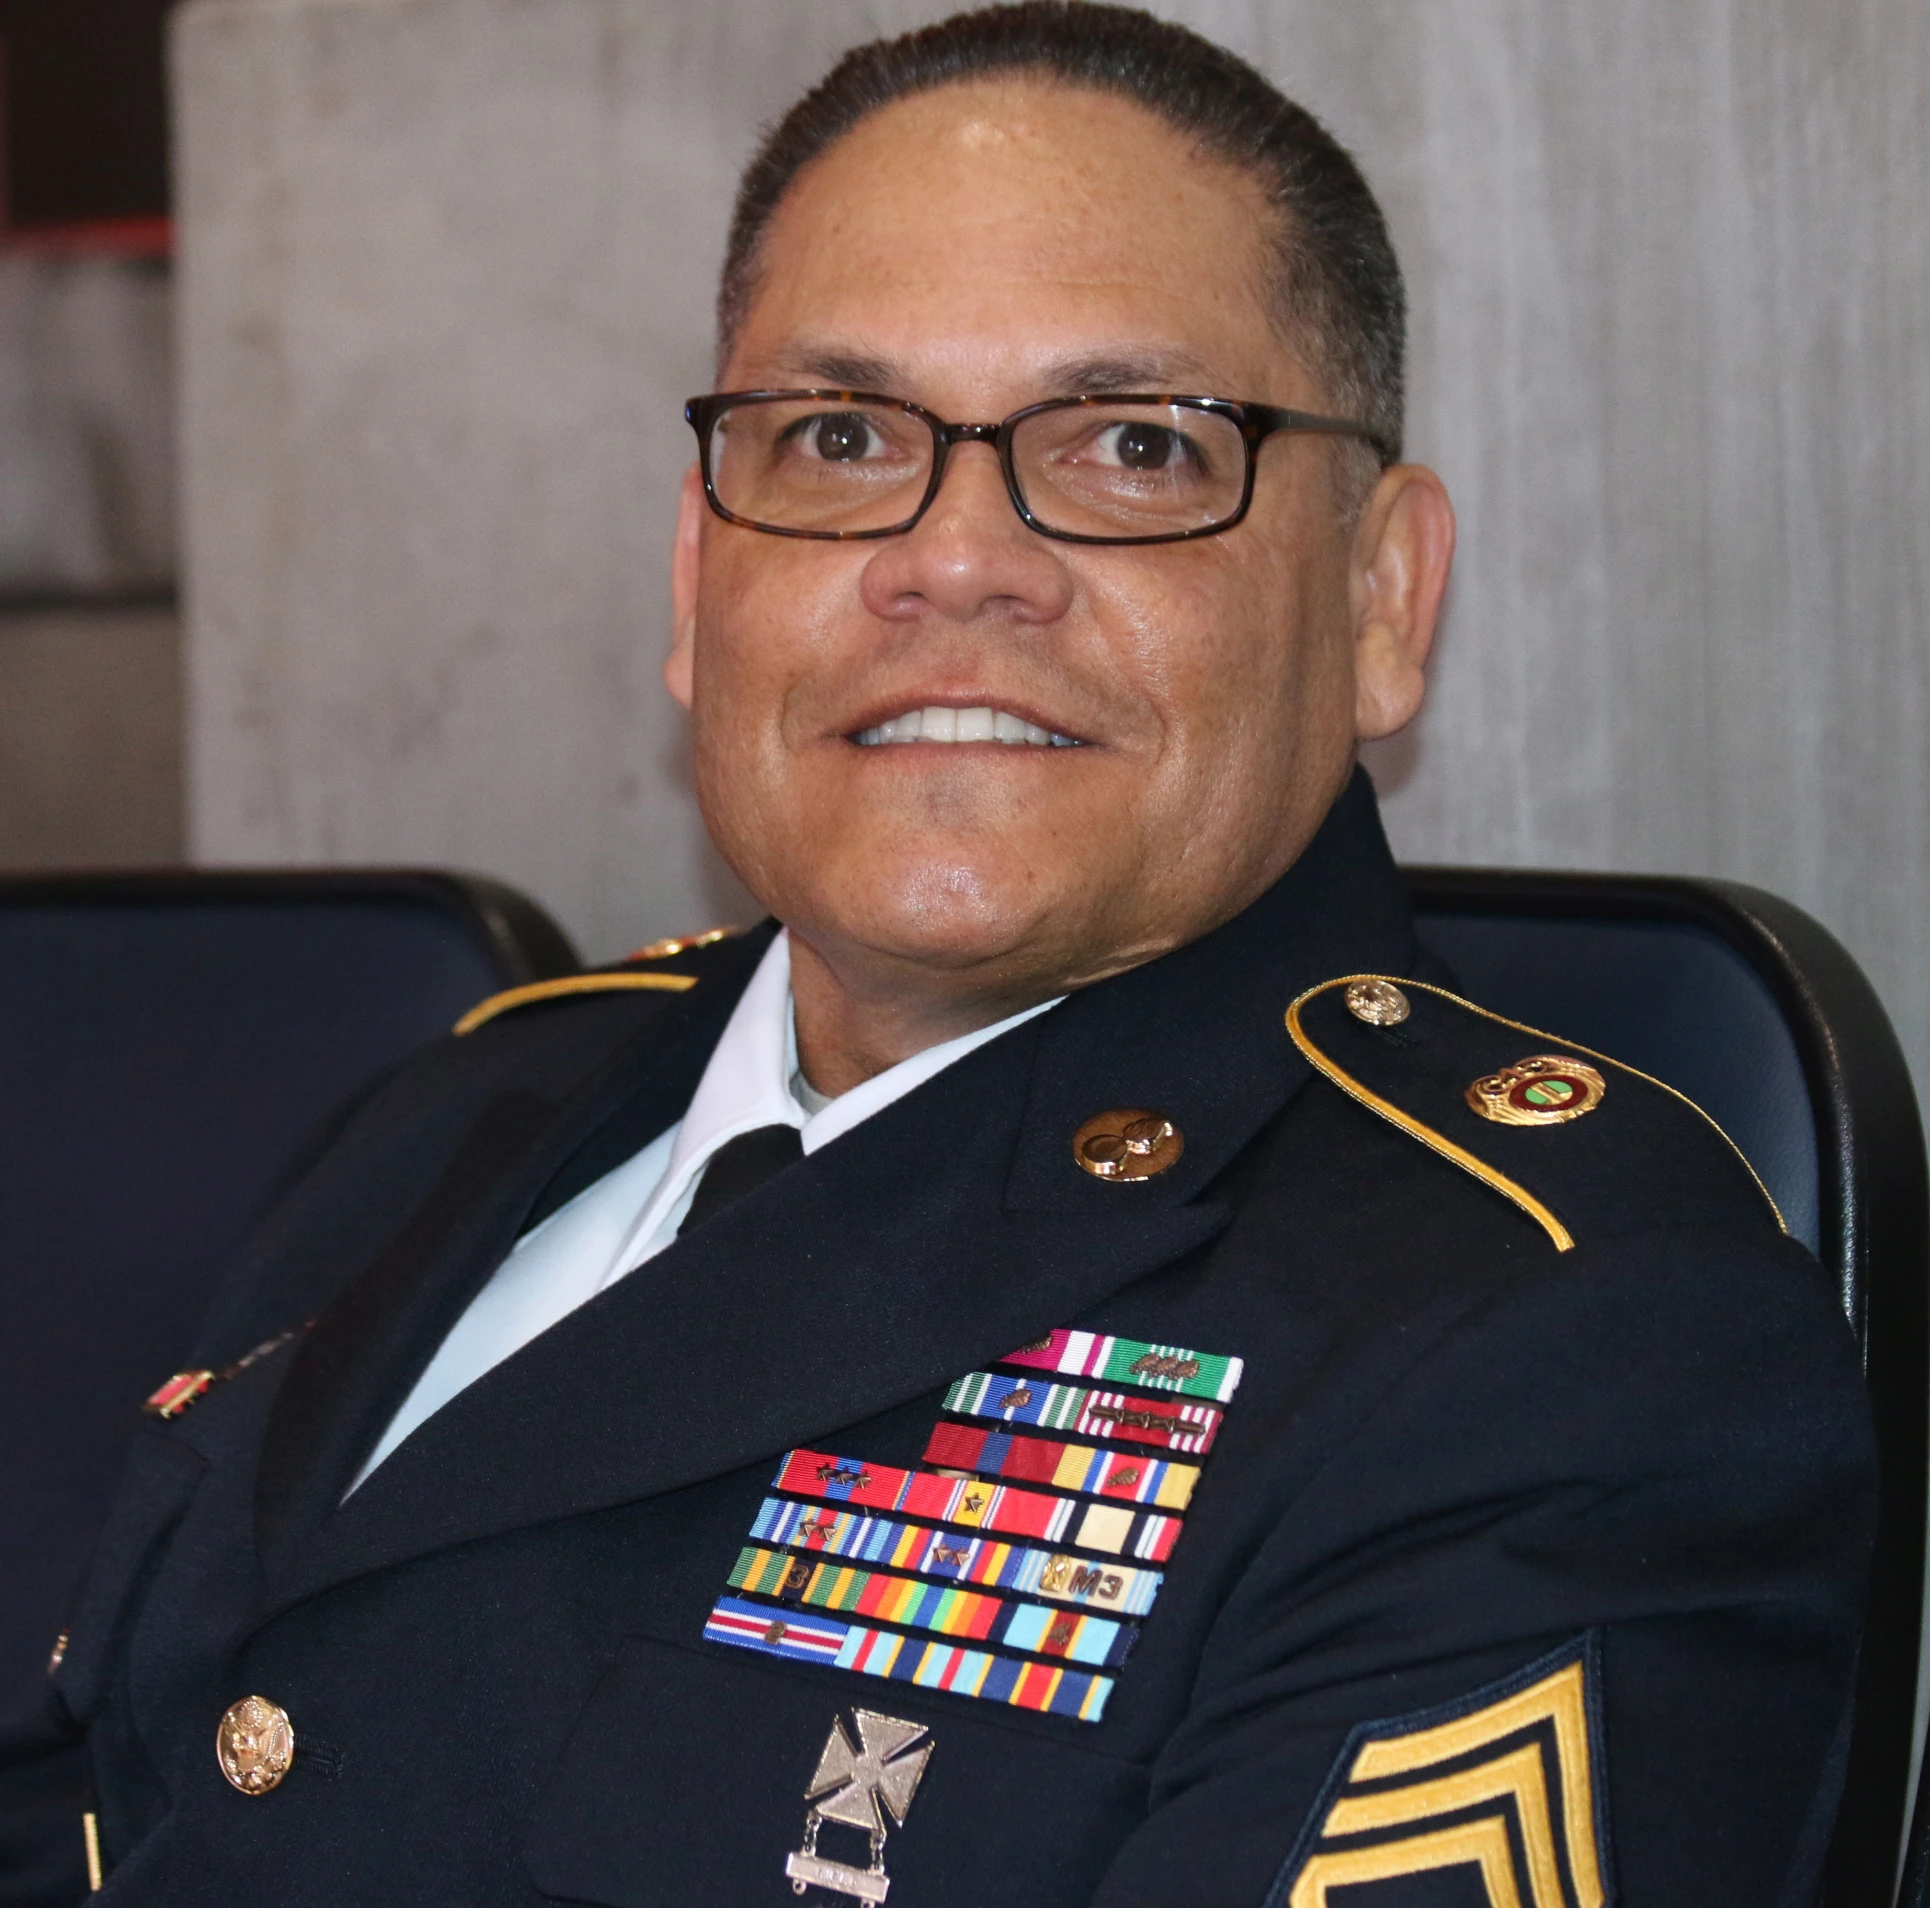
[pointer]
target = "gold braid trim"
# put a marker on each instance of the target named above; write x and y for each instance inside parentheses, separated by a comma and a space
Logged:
(485, 1011)
(1440, 1143)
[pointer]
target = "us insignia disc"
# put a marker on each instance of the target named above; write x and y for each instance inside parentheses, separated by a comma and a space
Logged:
(255, 1745)
(1543, 1090)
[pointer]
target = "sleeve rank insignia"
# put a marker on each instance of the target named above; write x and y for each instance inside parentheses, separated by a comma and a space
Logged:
(1505, 1783)
(860, 1787)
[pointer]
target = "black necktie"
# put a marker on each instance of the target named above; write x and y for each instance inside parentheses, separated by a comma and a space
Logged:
(740, 1166)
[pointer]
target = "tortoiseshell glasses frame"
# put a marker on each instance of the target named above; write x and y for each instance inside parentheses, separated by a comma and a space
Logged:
(1254, 423)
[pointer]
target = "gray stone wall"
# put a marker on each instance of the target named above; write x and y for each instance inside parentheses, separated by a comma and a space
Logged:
(445, 274)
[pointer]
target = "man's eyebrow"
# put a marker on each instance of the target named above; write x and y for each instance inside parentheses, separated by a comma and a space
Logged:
(842, 370)
(1154, 369)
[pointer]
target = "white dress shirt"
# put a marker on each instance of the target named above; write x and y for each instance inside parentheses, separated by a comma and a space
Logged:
(629, 1215)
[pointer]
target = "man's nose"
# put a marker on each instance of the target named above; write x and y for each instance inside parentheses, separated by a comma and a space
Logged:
(969, 554)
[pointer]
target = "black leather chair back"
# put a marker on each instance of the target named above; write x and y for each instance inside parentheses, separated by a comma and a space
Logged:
(173, 1045)
(1757, 1013)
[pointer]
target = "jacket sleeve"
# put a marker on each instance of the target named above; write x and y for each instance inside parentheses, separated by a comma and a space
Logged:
(1571, 1619)
(43, 1859)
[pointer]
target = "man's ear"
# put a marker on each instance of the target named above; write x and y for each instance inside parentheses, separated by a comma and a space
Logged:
(686, 555)
(1403, 546)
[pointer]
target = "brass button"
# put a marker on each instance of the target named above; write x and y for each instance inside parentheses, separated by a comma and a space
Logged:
(255, 1745)
(1127, 1143)
(1380, 1003)
(1546, 1089)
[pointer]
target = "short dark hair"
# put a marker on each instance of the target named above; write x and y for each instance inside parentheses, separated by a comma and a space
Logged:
(1337, 284)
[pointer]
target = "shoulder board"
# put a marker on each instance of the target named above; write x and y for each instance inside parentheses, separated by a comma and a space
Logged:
(621, 978)
(1551, 1125)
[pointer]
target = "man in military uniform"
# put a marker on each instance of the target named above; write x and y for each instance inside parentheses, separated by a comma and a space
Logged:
(1076, 1370)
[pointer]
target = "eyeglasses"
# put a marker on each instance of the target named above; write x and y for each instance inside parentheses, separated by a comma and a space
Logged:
(1126, 469)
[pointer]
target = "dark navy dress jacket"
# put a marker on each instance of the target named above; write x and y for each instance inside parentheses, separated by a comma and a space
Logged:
(1518, 1559)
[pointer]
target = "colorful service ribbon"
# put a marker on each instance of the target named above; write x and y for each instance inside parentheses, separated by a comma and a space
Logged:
(1117, 1588)
(1111, 1529)
(1070, 1467)
(1130, 1361)
(1047, 1687)
(922, 1550)
(1163, 1422)
(826, 1584)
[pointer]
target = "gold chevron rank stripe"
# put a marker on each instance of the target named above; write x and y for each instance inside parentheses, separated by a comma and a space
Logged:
(1505, 1782)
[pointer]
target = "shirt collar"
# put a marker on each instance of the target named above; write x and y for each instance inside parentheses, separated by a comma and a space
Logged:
(748, 1081)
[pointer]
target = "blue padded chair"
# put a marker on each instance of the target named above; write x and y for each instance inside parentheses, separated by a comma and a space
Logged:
(1757, 1013)
(171, 1045)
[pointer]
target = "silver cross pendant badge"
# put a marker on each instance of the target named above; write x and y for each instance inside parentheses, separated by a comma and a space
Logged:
(860, 1787)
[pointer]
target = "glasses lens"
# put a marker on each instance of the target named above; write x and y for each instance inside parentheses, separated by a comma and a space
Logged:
(824, 464)
(1129, 470)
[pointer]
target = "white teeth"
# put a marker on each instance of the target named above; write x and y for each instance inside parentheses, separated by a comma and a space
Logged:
(981, 724)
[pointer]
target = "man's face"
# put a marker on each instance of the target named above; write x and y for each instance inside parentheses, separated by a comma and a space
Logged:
(975, 250)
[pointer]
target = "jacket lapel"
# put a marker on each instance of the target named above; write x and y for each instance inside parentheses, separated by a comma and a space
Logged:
(855, 1280)
(356, 1365)
(936, 1236)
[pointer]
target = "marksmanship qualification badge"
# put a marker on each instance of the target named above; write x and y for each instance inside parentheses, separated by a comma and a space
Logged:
(860, 1787)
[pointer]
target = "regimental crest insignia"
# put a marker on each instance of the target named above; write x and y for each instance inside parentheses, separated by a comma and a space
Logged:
(1502, 1789)
(861, 1788)
(1546, 1089)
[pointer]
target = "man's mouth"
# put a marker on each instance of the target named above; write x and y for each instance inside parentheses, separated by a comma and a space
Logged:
(982, 724)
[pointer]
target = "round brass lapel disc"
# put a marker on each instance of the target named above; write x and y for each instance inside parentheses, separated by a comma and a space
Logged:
(1127, 1143)
(1380, 1003)
(255, 1744)
(1543, 1090)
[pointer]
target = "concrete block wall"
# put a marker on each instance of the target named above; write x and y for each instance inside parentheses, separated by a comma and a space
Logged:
(445, 277)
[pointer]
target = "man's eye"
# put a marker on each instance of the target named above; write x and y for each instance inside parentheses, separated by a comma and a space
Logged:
(1142, 446)
(838, 437)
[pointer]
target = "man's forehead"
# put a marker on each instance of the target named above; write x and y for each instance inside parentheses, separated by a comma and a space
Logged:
(1001, 156)
(1100, 252)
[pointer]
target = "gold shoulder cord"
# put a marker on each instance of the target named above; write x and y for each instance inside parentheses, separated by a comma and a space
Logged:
(486, 1011)
(1439, 1142)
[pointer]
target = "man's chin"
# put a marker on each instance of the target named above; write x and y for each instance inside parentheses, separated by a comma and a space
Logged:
(944, 919)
